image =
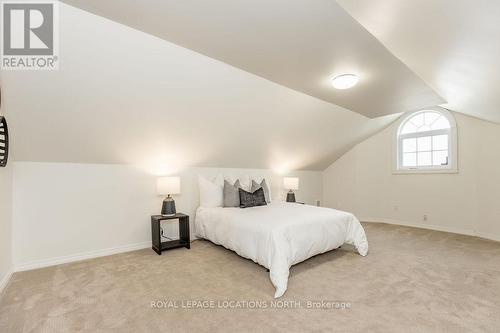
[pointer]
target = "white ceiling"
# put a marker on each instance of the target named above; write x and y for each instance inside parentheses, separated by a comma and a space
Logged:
(298, 44)
(123, 96)
(454, 45)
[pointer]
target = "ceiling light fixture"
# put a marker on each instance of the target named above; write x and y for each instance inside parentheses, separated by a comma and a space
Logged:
(345, 81)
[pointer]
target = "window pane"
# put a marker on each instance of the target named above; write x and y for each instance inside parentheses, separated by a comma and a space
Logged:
(428, 151)
(409, 159)
(440, 142)
(424, 128)
(431, 117)
(424, 159)
(440, 123)
(418, 120)
(408, 128)
(409, 145)
(424, 143)
(440, 157)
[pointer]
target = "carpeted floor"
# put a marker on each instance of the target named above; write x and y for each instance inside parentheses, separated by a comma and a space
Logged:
(413, 280)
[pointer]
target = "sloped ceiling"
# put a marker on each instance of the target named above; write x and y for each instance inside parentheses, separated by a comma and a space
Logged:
(298, 44)
(453, 45)
(123, 96)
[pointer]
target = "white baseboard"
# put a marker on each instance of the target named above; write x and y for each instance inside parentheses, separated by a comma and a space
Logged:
(421, 226)
(488, 236)
(5, 281)
(143, 245)
(80, 256)
(460, 231)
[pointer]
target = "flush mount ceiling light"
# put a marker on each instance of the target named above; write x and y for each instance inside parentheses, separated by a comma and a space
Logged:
(345, 81)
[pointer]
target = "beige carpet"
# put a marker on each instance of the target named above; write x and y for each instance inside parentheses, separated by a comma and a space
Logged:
(413, 280)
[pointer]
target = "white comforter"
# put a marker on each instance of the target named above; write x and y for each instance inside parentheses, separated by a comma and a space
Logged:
(280, 235)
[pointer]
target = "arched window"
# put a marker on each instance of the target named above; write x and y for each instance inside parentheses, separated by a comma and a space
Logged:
(426, 142)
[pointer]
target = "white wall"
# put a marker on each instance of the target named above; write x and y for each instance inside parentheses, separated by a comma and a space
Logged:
(362, 181)
(5, 225)
(74, 211)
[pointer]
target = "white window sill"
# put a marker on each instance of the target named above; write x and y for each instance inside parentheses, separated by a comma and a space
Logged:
(423, 171)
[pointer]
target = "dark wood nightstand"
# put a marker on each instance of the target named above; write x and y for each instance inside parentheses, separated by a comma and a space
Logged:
(184, 239)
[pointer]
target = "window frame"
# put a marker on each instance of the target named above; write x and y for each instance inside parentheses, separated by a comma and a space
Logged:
(452, 166)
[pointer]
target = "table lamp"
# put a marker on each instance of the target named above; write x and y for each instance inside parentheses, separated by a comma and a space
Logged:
(167, 186)
(291, 184)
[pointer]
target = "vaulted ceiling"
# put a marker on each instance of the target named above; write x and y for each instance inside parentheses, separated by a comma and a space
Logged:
(123, 96)
(233, 83)
(452, 44)
(298, 44)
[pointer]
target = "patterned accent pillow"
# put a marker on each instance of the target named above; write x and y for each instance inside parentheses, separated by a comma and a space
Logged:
(248, 199)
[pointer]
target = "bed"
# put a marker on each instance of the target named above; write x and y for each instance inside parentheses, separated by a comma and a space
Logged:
(280, 234)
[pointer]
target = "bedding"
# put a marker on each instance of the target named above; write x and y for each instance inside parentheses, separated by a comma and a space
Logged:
(231, 194)
(280, 234)
(267, 180)
(252, 199)
(211, 191)
(245, 181)
(263, 185)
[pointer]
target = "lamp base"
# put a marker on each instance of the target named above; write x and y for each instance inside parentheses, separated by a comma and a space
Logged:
(290, 197)
(168, 207)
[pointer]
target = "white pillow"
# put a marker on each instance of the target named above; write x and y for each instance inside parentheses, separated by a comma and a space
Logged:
(211, 192)
(245, 182)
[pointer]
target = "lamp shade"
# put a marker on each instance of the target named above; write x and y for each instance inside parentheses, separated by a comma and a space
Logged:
(291, 183)
(168, 185)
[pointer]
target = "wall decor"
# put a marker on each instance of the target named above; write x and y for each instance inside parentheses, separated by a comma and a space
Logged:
(4, 142)
(4, 138)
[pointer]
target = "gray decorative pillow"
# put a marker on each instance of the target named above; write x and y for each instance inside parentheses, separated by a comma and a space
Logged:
(263, 184)
(231, 196)
(248, 199)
